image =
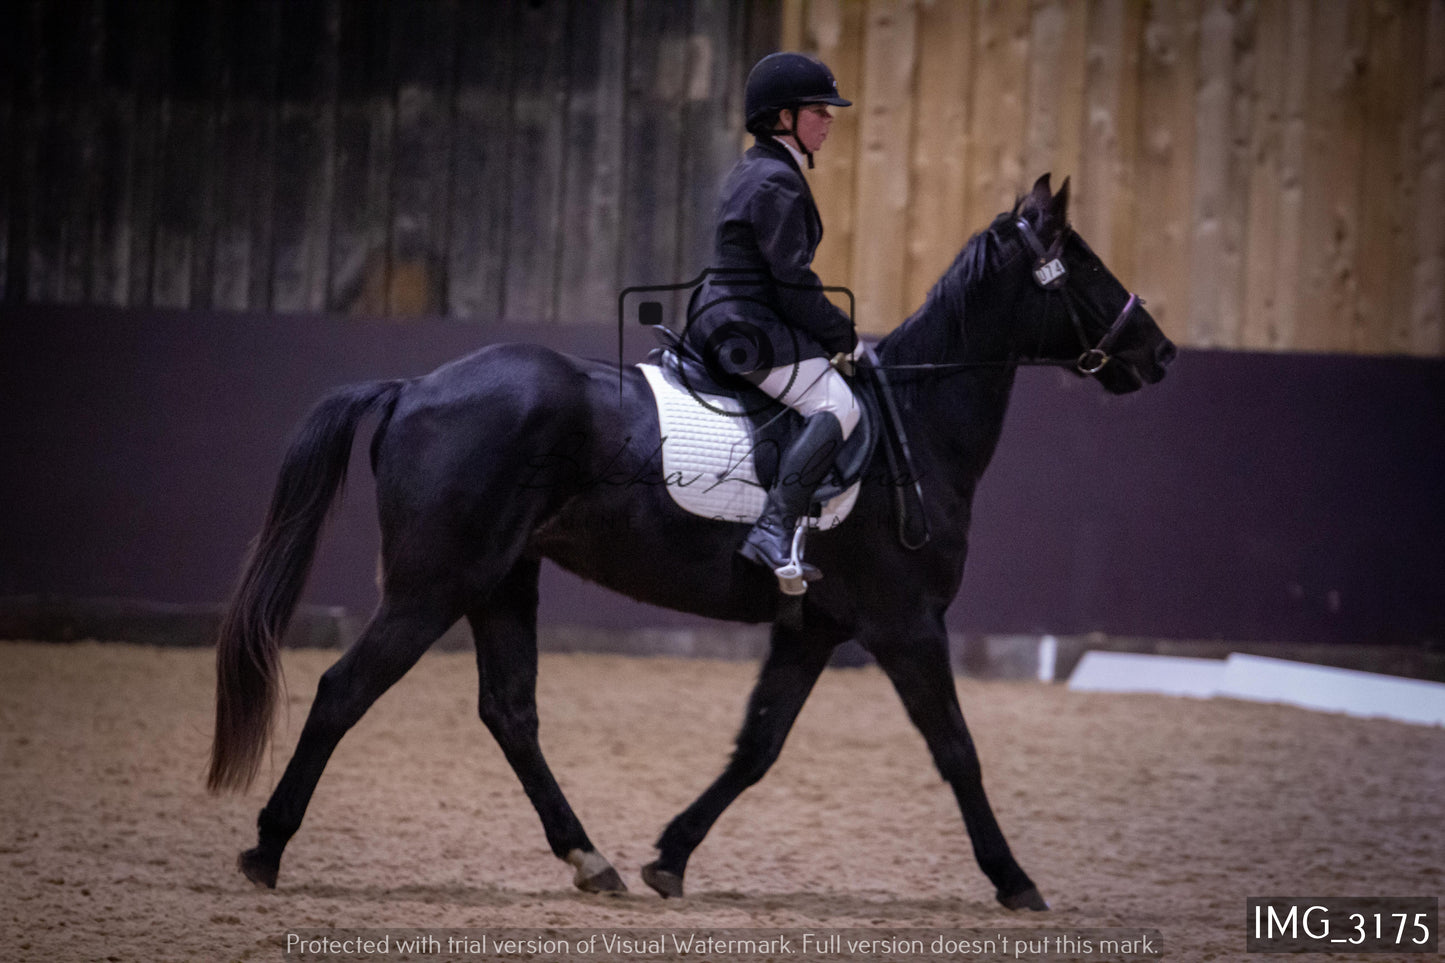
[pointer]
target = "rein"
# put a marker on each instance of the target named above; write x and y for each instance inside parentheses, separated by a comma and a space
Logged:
(1049, 274)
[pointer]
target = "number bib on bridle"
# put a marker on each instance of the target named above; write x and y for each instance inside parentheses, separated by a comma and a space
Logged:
(1051, 275)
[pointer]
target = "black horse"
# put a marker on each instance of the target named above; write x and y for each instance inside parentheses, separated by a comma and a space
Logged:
(517, 453)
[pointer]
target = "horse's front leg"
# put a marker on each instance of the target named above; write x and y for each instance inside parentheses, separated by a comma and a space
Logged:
(793, 665)
(917, 664)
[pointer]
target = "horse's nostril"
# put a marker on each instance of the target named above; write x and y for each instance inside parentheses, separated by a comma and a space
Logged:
(1165, 352)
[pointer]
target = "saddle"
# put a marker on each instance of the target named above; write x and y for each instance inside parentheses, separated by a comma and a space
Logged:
(723, 442)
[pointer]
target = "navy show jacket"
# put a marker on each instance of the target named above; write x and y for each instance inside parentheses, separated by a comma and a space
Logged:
(761, 306)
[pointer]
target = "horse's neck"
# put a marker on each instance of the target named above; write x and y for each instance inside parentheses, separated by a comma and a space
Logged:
(957, 414)
(962, 417)
(958, 409)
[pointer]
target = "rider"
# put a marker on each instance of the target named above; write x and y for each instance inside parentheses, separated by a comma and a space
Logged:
(768, 227)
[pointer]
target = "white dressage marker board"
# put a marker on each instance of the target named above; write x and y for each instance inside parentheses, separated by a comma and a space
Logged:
(1160, 674)
(1366, 694)
(1257, 678)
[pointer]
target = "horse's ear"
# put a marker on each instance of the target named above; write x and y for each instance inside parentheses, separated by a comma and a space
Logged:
(1059, 206)
(1039, 195)
(1049, 210)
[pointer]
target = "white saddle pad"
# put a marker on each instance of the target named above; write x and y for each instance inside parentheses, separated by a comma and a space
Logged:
(707, 457)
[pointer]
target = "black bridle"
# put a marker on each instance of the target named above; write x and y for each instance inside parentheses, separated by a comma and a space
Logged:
(1050, 274)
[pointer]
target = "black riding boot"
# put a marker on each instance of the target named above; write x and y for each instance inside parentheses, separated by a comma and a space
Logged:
(800, 471)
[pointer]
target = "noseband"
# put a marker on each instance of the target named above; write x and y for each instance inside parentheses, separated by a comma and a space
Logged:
(1051, 275)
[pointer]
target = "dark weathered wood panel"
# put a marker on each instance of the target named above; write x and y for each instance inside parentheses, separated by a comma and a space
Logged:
(111, 230)
(9, 71)
(536, 157)
(186, 148)
(259, 94)
(709, 144)
(151, 67)
(480, 159)
(306, 81)
(655, 62)
(21, 74)
(591, 220)
(425, 48)
(58, 197)
(477, 258)
(365, 137)
(240, 163)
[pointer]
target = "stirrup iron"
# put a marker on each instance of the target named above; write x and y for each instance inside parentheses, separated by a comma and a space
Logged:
(790, 575)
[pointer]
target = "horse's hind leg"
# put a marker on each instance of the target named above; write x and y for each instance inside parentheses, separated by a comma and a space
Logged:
(917, 665)
(792, 667)
(393, 640)
(505, 627)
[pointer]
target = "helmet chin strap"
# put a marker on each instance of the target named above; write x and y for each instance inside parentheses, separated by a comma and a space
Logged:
(793, 133)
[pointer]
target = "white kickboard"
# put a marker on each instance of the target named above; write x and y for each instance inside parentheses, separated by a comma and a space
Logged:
(1256, 678)
(1366, 694)
(1160, 674)
(707, 457)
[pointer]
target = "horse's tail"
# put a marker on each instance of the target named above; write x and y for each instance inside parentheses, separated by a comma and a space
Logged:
(247, 652)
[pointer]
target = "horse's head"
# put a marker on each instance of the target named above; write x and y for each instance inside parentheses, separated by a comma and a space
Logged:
(1083, 314)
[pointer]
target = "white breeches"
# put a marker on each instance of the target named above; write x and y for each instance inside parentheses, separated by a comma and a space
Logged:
(812, 386)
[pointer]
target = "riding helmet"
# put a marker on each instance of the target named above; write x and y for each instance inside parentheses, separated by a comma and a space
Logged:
(782, 81)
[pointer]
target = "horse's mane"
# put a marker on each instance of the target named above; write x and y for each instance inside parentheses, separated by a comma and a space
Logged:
(933, 332)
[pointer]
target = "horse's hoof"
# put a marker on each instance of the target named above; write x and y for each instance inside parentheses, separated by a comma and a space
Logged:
(607, 881)
(1029, 899)
(667, 884)
(594, 873)
(258, 868)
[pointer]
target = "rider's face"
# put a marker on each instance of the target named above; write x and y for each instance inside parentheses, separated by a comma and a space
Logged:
(811, 124)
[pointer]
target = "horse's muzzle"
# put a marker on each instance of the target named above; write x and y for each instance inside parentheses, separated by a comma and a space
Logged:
(1165, 353)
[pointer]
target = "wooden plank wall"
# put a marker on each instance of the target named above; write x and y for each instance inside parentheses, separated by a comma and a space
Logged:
(520, 160)
(1269, 174)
